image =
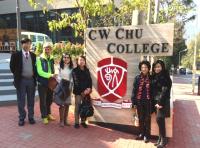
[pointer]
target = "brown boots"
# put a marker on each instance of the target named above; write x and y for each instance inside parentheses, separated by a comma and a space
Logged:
(63, 110)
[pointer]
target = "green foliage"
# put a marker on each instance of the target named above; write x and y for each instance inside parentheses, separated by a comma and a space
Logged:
(73, 49)
(179, 43)
(175, 11)
(103, 13)
(124, 15)
(78, 21)
(96, 13)
(187, 60)
(59, 48)
(118, 16)
(39, 49)
(171, 10)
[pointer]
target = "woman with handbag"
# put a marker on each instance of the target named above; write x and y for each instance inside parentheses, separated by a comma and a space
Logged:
(62, 93)
(141, 100)
(161, 95)
(82, 87)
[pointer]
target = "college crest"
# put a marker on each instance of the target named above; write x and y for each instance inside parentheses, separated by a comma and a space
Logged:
(112, 78)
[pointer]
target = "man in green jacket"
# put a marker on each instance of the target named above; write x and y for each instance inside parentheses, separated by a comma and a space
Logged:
(45, 70)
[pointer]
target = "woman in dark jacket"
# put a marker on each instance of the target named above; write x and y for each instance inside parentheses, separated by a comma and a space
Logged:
(161, 95)
(82, 87)
(141, 99)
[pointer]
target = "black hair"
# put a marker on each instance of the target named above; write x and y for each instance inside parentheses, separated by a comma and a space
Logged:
(144, 63)
(62, 63)
(25, 40)
(83, 57)
(162, 65)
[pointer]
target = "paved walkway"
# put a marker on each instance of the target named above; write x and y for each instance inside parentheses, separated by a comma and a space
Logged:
(186, 129)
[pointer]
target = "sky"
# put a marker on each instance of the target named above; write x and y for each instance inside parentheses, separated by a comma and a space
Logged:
(192, 27)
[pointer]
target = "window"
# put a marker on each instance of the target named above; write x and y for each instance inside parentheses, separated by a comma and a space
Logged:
(7, 18)
(47, 39)
(41, 15)
(33, 38)
(28, 16)
(24, 36)
(52, 14)
(40, 38)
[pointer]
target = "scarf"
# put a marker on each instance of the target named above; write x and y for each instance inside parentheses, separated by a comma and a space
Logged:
(144, 84)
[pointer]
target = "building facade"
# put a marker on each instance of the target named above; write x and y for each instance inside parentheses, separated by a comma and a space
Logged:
(36, 20)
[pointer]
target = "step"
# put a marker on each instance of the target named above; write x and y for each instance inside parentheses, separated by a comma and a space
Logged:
(8, 97)
(4, 61)
(6, 80)
(11, 99)
(5, 71)
(7, 92)
(4, 66)
(6, 100)
(10, 92)
(6, 83)
(7, 87)
(6, 76)
(8, 103)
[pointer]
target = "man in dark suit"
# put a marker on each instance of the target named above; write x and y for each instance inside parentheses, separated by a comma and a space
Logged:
(23, 67)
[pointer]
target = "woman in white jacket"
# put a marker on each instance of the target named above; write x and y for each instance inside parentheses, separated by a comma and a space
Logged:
(62, 93)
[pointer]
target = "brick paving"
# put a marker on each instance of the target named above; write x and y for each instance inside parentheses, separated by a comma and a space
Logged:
(186, 133)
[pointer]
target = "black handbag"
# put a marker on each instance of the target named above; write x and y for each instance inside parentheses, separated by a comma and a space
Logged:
(86, 109)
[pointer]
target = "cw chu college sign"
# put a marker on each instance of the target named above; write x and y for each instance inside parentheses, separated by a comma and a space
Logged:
(156, 39)
(110, 53)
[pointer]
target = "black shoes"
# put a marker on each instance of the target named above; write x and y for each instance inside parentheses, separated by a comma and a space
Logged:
(158, 142)
(162, 143)
(84, 125)
(76, 126)
(32, 121)
(140, 137)
(146, 139)
(21, 123)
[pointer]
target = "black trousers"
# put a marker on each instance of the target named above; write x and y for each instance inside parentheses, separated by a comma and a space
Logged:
(160, 118)
(46, 99)
(25, 90)
(144, 114)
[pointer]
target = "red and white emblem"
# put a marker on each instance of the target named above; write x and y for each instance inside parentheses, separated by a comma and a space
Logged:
(112, 78)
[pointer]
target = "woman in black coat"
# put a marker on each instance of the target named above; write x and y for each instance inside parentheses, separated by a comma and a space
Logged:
(141, 99)
(161, 84)
(82, 87)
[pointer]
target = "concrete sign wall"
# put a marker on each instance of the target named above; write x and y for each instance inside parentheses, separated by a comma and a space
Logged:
(110, 54)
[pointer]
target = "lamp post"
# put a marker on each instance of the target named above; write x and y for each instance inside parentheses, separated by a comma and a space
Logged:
(18, 25)
(195, 55)
(180, 56)
(157, 7)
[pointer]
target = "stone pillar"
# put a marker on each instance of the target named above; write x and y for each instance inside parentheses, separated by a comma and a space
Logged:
(138, 18)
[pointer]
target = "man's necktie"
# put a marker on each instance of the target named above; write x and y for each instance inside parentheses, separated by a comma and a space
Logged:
(26, 55)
